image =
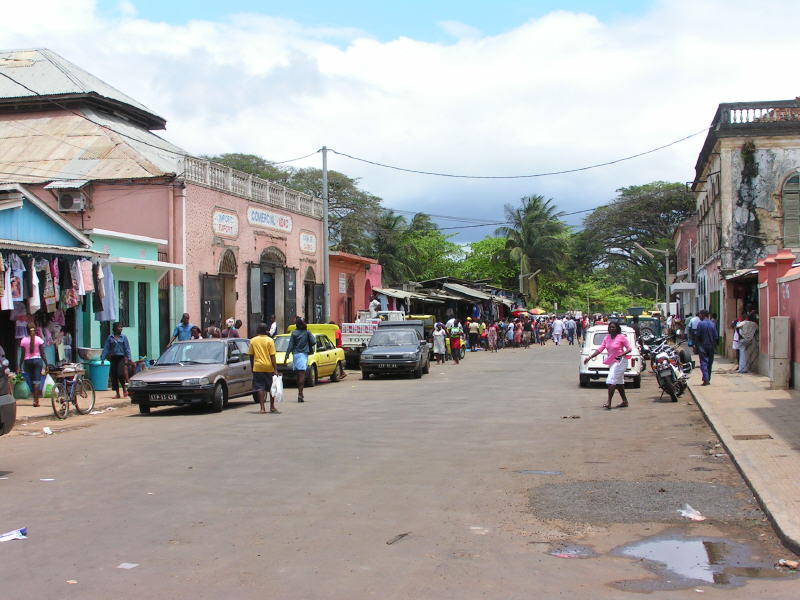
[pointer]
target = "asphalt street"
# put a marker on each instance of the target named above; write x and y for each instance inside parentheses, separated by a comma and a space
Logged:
(465, 484)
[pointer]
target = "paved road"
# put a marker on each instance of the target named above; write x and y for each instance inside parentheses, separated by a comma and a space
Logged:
(302, 504)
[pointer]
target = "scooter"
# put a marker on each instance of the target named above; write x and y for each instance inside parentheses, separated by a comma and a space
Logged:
(671, 368)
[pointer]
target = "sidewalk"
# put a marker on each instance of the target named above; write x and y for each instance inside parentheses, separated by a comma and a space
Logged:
(760, 428)
(26, 413)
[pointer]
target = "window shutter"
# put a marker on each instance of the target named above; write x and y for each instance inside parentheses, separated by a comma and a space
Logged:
(791, 213)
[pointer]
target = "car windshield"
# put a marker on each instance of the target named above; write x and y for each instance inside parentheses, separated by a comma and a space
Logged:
(189, 353)
(281, 343)
(394, 338)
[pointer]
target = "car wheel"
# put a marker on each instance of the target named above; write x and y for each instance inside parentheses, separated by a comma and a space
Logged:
(364, 374)
(337, 369)
(427, 368)
(218, 398)
(144, 408)
(637, 382)
(417, 373)
(311, 376)
(583, 380)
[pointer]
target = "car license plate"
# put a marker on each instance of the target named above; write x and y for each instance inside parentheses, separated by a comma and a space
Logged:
(163, 397)
(386, 365)
(665, 373)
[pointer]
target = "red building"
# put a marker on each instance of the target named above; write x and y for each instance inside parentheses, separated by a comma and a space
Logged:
(353, 278)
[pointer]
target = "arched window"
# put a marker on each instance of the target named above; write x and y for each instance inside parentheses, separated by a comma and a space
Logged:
(791, 212)
(310, 276)
(227, 264)
(273, 256)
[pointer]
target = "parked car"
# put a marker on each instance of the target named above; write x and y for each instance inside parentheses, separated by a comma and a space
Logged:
(195, 372)
(596, 369)
(395, 350)
(326, 361)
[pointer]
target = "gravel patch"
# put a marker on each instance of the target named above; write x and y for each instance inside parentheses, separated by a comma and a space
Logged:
(637, 501)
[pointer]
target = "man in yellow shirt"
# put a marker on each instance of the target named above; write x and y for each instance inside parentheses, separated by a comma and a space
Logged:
(264, 366)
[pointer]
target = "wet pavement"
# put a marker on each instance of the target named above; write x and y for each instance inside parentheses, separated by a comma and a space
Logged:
(468, 483)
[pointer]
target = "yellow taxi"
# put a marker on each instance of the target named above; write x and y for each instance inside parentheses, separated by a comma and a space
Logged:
(326, 361)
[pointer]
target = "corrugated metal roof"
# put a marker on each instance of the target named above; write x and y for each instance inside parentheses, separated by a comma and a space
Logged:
(60, 145)
(49, 74)
(465, 291)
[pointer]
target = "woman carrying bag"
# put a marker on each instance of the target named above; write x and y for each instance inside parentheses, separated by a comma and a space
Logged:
(301, 344)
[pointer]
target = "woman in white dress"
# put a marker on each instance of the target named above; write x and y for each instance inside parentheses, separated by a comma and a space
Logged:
(439, 349)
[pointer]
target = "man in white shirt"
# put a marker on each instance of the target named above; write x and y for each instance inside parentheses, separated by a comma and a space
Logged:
(273, 328)
(558, 330)
(374, 307)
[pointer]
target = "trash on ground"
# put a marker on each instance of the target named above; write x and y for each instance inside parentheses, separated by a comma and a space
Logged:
(127, 565)
(479, 530)
(17, 534)
(397, 538)
(97, 412)
(571, 417)
(787, 564)
(691, 513)
(47, 479)
(72, 581)
(47, 431)
(110, 408)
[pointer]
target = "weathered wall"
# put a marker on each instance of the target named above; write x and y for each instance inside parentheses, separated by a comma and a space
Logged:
(757, 168)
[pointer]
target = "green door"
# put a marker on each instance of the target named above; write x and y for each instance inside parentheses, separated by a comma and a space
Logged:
(714, 310)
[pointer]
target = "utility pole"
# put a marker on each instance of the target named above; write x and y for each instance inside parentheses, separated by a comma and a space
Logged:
(326, 257)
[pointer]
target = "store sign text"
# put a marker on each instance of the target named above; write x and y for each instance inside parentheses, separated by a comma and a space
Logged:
(264, 218)
(226, 224)
(308, 242)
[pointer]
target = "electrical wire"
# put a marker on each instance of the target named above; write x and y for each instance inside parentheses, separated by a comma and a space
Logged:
(529, 176)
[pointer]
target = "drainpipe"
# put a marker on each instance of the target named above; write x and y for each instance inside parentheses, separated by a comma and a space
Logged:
(171, 247)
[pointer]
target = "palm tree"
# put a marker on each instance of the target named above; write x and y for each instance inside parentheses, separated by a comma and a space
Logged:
(535, 236)
(390, 248)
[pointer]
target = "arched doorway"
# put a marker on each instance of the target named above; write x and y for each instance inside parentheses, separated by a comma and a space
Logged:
(349, 301)
(265, 289)
(313, 297)
(227, 272)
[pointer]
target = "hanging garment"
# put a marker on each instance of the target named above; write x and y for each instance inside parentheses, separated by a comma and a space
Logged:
(64, 272)
(56, 278)
(77, 277)
(6, 303)
(17, 285)
(97, 296)
(86, 275)
(58, 318)
(35, 299)
(2, 278)
(109, 312)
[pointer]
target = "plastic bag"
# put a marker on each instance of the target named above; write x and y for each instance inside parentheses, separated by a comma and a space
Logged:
(48, 386)
(691, 513)
(277, 388)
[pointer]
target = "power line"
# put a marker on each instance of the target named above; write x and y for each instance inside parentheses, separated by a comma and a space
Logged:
(529, 176)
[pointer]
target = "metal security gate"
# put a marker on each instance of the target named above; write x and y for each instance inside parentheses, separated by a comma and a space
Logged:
(210, 300)
(290, 296)
(254, 315)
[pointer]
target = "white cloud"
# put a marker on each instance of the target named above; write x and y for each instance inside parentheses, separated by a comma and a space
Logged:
(459, 30)
(557, 92)
(127, 8)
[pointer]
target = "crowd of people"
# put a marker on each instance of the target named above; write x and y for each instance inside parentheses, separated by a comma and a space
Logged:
(514, 332)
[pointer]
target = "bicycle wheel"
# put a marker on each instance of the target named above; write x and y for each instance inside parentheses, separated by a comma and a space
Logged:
(58, 398)
(84, 396)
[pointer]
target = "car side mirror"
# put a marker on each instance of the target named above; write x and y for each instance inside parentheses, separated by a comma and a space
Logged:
(234, 358)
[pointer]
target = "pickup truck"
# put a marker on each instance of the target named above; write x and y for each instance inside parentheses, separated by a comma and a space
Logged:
(356, 336)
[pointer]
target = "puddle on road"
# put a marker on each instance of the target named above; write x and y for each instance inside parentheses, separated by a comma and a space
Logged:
(683, 562)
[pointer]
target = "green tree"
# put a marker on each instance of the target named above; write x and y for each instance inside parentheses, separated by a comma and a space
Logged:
(489, 259)
(255, 165)
(536, 237)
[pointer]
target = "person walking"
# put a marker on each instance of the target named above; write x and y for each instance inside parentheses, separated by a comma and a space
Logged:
(33, 367)
(543, 327)
(273, 327)
(264, 366)
(517, 333)
(527, 332)
(569, 329)
(705, 341)
(117, 350)
(439, 346)
(230, 330)
(617, 346)
(182, 331)
(747, 328)
(735, 341)
(474, 334)
(558, 330)
(301, 344)
(491, 336)
(455, 332)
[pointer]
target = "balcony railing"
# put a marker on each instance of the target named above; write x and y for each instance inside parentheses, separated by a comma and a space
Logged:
(758, 115)
(245, 185)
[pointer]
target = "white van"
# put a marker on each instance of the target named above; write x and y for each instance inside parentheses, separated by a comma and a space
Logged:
(596, 370)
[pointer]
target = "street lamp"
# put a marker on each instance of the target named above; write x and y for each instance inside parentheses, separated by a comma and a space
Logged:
(649, 252)
(655, 283)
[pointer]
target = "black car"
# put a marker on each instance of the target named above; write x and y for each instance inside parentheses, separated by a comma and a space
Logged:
(395, 350)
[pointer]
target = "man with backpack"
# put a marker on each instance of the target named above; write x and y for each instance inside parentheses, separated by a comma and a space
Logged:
(301, 343)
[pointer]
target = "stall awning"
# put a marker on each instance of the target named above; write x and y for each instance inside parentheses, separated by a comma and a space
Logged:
(140, 263)
(20, 246)
(502, 300)
(683, 286)
(393, 293)
(465, 291)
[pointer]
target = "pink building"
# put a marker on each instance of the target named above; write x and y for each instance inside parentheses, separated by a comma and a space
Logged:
(352, 281)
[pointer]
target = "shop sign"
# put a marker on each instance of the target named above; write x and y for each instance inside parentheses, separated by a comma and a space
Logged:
(342, 283)
(308, 242)
(260, 217)
(225, 223)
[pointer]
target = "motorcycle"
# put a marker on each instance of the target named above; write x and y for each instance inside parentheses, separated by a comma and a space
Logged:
(671, 367)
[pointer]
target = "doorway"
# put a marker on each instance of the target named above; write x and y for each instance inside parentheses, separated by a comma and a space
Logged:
(227, 273)
(309, 281)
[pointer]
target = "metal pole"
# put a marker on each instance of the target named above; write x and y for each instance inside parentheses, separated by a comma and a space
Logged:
(666, 275)
(326, 258)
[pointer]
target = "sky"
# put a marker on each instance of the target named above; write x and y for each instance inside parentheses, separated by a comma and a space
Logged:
(479, 88)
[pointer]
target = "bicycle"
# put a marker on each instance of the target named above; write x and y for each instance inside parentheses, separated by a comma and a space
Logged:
(71, 387)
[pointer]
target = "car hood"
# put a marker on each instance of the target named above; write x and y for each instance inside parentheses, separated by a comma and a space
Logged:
(389, 350)
(177, 372)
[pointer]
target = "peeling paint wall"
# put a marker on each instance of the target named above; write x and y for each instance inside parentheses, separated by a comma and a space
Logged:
(757, 169)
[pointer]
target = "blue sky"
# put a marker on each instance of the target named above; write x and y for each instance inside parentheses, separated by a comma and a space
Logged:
(385, 21)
